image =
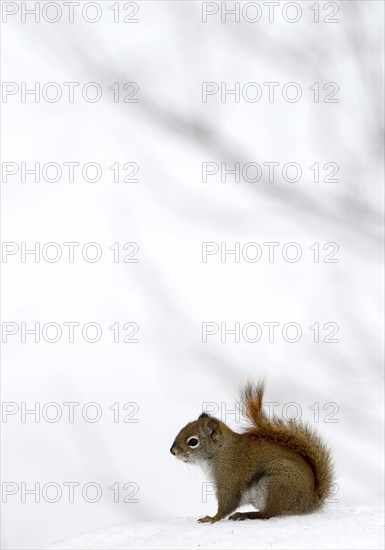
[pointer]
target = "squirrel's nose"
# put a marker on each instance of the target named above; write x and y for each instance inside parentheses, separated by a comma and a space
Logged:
(172, 450)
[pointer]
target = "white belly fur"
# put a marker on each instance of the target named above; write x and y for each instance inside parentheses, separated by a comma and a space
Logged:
(256, 494)
(206, 469)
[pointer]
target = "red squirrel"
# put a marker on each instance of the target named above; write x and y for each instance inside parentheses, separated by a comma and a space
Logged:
(279, 467)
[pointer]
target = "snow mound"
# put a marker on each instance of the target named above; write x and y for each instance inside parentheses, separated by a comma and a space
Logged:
(337, 527)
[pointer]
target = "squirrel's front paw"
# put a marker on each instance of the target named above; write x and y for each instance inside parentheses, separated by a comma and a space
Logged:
(208, 519)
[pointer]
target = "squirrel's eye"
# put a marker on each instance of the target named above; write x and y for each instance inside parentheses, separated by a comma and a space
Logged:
(192, 442)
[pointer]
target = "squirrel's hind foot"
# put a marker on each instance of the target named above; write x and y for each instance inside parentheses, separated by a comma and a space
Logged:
(241, 516)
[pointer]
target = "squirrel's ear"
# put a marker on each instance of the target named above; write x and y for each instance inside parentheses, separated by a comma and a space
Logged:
(213, 428)
(203, 415)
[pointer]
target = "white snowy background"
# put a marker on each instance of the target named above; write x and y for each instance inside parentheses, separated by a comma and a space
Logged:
(170, 292)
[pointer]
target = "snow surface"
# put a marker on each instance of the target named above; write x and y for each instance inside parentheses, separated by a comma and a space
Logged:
(337, 527)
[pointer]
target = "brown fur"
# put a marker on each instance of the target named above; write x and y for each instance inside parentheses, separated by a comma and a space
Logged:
(293, 435)
(279, 467)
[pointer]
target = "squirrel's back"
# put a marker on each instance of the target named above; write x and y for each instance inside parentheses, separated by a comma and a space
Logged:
(296, 436)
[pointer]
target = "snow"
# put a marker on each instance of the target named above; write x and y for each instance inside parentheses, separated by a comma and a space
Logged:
(334, 527)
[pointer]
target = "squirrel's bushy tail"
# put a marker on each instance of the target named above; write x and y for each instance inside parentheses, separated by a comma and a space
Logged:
(293, 435)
